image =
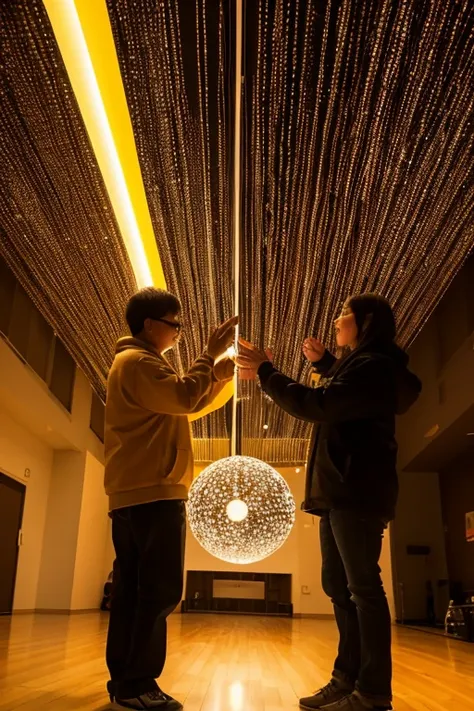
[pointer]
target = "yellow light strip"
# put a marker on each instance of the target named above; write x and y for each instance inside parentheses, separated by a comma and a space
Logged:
(84, 36)
(83, 32)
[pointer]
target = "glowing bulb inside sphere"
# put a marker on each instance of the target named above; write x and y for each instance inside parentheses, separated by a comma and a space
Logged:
(237, 510)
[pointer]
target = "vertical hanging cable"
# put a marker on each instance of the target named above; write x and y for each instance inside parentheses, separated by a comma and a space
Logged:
(236, 201)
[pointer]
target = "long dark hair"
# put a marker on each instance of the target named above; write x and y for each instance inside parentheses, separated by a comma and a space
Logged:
(374, 319)
(375, 324)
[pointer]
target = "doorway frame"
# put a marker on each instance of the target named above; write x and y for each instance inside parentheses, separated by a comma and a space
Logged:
(9, 480)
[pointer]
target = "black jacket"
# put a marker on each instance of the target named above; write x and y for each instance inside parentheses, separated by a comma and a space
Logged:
(353, 452)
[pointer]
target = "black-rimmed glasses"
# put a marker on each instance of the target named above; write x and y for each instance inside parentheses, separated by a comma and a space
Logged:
(173, 324)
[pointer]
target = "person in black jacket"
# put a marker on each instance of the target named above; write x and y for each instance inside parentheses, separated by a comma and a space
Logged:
(351, 484)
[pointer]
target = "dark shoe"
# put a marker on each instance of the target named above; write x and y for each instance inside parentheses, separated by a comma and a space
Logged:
(151, 700)
(355, 702)
(327, 695)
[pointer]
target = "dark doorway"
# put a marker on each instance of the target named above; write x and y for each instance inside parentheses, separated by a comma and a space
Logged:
(12, 497)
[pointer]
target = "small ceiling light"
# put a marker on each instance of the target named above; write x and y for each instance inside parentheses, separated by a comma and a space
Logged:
(297, 470)
(265, 427)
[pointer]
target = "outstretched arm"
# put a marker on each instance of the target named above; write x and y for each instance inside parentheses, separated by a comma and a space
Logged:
(365, 389)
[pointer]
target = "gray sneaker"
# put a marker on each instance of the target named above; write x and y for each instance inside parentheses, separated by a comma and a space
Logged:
(327, 695)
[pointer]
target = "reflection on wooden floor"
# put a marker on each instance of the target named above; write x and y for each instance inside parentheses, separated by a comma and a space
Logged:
(219, 663)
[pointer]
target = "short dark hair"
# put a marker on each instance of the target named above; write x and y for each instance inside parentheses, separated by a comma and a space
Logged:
(374, 318)
(150, 303)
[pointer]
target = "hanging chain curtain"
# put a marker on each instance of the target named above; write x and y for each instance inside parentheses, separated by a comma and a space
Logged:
(357, 164)
(357, 175)
(58, 232)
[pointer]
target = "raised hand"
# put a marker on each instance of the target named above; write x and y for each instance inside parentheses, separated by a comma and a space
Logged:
(224, 369)
(250, 358)
(222, 338)
(313, 349)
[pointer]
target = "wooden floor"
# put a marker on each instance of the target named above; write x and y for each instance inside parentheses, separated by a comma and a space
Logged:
(219, 663)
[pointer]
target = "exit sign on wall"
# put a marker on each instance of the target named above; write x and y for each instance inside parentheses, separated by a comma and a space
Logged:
(470, 527)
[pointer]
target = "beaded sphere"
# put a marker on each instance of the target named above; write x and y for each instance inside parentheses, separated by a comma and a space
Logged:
(240, 509)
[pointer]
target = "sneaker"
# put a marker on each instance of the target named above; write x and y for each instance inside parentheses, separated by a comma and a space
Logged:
(327, 695)
(152, 700)
(355, 702)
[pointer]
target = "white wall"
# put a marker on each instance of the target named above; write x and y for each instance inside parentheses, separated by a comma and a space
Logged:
(20, 450)
(61, 532)
(26, 398)
(76, 535)
(65, 460)
(93, 539)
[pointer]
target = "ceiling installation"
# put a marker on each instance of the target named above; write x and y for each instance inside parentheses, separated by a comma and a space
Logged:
(358, 166)
(357, 175)
(175, 60)
(58, 232)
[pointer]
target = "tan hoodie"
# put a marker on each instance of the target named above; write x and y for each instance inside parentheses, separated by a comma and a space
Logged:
(148, 450)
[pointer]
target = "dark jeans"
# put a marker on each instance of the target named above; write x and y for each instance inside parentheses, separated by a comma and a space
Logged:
(147, 586)
(351, 544)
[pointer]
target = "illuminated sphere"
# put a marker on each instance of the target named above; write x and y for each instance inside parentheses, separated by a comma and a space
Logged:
(240, 509)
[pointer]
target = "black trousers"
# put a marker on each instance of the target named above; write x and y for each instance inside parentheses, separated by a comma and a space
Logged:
(351, 544)
(147, 586)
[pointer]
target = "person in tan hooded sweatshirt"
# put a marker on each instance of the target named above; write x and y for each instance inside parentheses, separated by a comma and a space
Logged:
(148, 470)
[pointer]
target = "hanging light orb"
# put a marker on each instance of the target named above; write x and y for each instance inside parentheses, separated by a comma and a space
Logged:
(240, 509)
